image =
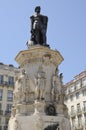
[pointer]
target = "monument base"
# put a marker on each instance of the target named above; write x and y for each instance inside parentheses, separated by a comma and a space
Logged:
(39, 122)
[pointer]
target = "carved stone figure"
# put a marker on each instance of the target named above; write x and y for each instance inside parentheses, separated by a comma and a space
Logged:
(21, 88)
(17, 94)
(62, 94)
(61, 97)
(15, 125)
(57, 90)
(55, 94)
(38, 27)
(27, 89)
(13, 112)
(40, 82)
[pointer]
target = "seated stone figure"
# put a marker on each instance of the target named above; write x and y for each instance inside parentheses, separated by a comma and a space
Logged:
(38, 27)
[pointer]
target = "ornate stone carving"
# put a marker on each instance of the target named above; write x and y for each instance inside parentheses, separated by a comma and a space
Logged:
(46, 59)
(50, 110)
(13, 112)
(17, 94)
(15, 125)
(57, 89)
(38, 93)
(39, 123)
(40, 82)
(39, 107)
(65, 109)
(21, 91)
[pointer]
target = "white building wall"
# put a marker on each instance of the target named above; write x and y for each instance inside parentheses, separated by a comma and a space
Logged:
(6, 71)
(75, 92)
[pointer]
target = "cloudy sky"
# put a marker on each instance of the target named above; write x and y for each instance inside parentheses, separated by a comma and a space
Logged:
(66, 31)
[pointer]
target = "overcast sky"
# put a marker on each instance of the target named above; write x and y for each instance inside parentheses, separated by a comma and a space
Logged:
(66, 31)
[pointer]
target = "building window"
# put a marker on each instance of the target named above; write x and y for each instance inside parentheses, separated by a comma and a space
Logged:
(72, 110)
(69, 90)
(78, 85)
(84, 105)
(72, 88)
(8, 109)
(1, 79)
(79, 121)
(84, 82)
(0, 120)
(1, 112)
(85, 119)
(1, 94)
(73, 122)
(78, 108)
(77, 95)
(6, 121)
(66, 92)
(10, 95)
(71, 97)
(0, 106)
(84, 92)
(11, 80)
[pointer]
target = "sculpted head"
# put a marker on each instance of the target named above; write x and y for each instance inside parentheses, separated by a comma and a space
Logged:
(37, 9)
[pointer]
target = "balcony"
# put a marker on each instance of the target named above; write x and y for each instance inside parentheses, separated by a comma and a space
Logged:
(5, 83)
(72, 113)
(2, 83)
(10, 99)
(10, 84)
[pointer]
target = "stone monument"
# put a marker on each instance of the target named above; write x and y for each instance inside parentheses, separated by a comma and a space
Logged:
(38, 97)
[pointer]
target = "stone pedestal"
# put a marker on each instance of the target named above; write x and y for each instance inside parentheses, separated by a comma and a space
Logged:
(39, 108)
(39, 93)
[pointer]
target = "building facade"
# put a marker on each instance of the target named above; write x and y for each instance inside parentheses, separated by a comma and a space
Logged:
(75, 99)
(7, 79)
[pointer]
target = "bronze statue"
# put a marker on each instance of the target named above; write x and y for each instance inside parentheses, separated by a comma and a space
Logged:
(38, 27)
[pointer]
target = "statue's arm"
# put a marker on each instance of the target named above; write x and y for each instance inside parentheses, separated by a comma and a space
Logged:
(45, 21)
(32, 21)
